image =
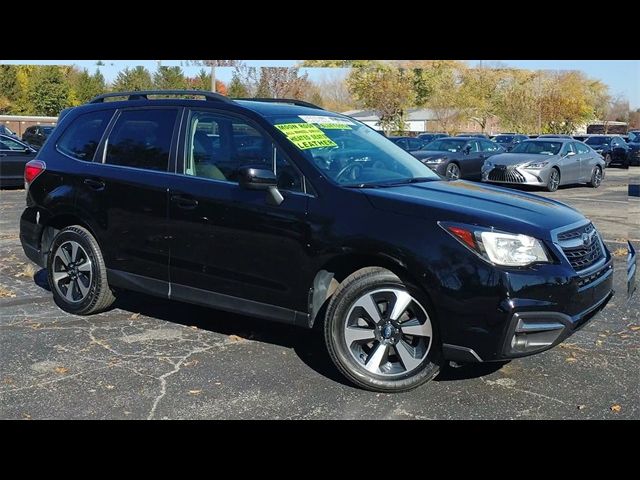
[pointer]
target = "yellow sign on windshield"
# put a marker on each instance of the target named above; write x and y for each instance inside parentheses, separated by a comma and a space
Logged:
(305, 135)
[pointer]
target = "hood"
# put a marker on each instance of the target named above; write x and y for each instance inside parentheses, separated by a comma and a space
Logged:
(425, 155)
(517, 158)
(474, 203)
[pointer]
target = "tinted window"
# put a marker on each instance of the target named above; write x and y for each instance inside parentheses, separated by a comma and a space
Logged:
(566, 148)
(142, 139)
(81, 138)
(474, 146)
(288, 176)
(598, 140)
(504, 139)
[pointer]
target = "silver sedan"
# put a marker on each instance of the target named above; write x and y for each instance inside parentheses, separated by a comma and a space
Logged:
(547, 163)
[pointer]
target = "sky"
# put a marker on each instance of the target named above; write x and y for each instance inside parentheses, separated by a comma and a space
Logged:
(622, 76)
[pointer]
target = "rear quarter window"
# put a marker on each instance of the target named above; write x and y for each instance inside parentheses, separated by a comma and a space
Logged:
(80, 140)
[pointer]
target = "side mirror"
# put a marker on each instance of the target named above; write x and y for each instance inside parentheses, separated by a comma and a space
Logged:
(261, 179)
(28, 150)
(467, 150)
(570, 154)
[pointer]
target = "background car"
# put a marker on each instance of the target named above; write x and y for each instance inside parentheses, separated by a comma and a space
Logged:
(13, 156)
(430, 137)
(36, 135)
(457, 157)
(509, 140)
(546, 162)
(409, 144)
(634, 148)
(4, 130)
(633, 136)
(581, 138)
(612, 147)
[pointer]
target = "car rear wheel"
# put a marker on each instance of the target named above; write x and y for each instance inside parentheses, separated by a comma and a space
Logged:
(77, 273)
(607, 159)
(380, 334)
(554, 180)
(596, 177)
(453, 171)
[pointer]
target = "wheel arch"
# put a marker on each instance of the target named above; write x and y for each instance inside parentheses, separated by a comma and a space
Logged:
(57, 222)
(334, 271)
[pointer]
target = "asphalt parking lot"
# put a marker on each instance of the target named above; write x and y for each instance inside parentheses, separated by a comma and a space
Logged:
(154, 359)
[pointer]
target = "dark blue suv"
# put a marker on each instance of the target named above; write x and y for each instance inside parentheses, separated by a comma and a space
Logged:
(284, 211)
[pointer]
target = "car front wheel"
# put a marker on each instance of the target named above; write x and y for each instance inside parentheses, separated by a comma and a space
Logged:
(380, 334)
(554, 180)
(453, 171)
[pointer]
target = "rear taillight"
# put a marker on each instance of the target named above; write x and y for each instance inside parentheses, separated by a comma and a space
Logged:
(32, 170)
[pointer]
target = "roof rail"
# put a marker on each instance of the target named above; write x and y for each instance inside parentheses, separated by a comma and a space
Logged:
(142, 95)
(293, 101)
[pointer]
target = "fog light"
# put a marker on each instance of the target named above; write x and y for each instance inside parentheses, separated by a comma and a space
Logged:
(531, 335)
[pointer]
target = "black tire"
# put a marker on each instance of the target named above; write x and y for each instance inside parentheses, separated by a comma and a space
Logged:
(99, 296)
(361, 283)
(596, 177)
(552, 185)
(607, 159)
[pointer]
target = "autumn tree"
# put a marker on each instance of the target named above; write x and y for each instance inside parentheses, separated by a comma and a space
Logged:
(385, 89)
(335, 93)
(517, 102)
(565, 102)
(479, 91)
(133, 79)
(446, 96)
(335, 63)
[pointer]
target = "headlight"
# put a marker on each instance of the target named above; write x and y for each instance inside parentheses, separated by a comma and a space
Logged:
(536, 165)
(499, 248)
(435, 160)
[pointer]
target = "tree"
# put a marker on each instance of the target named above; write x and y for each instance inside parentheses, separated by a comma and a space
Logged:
(9, 86)
(202, 81)
(212, 64)
(282, 82)
(445, 97)
(134, 79)
(49, 91)
(479, 90)
(385, 89)
(335, 93)
(86, 86)
(565, 101)
(237, 89)
(169, 78)
(634, 119)
(517, 102)
(335, 63)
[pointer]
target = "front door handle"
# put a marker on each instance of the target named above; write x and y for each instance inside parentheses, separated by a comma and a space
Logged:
(97, 185)
(184, 201)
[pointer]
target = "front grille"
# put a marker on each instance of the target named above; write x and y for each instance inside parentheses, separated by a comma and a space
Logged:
(581, 246)
(506, 175)
(575, 233)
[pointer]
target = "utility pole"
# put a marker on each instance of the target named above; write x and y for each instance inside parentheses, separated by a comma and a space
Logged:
(213, 76)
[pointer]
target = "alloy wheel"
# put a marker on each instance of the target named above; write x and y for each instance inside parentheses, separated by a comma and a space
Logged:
(597, 177)
(554, 179)
(453, 172)
(72, 272)
(388, 332)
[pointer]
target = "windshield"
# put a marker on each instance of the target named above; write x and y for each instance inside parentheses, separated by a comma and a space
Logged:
(445, 145)
(598, 141)
(634, 136)
(350, 153)
(503, 139)
(47, 130)
(538, 148)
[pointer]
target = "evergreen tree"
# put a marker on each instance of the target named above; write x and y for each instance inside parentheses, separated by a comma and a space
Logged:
(169, 78)
(237, 89)
(133, 79)
(49, 91)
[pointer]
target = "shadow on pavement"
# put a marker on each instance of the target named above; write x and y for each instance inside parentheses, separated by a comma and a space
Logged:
(307, 344)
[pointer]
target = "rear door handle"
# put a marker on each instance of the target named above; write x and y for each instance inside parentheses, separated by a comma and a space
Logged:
(184, 201)
(97, 185)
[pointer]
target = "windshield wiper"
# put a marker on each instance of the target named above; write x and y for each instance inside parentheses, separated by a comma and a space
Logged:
(404, 181)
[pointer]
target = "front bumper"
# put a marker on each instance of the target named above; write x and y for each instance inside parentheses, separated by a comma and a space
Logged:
(537, 310)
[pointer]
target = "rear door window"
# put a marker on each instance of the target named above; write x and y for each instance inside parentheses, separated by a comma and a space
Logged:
(142, 139)
(80, 140)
